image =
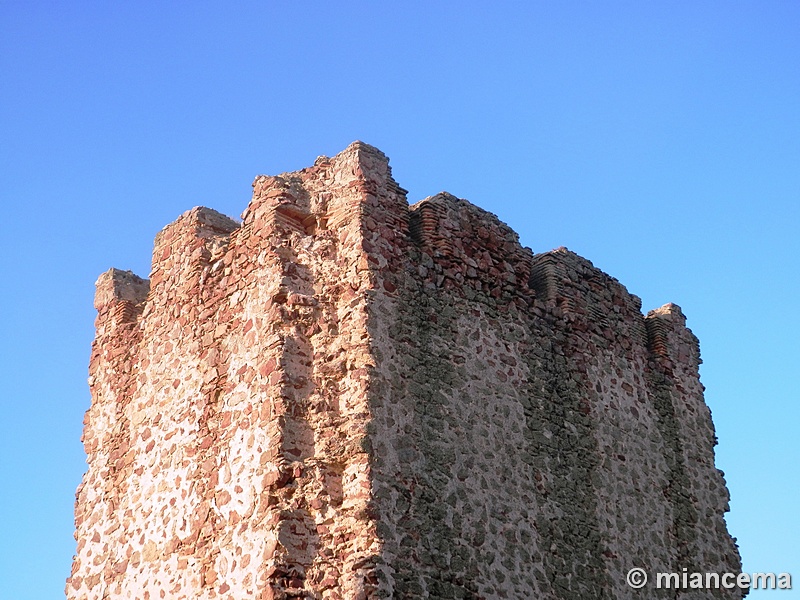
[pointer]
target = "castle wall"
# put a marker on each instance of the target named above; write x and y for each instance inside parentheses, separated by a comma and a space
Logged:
(347, 397)
(540, 441)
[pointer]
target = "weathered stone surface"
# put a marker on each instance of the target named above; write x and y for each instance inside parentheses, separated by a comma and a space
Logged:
(344, 397)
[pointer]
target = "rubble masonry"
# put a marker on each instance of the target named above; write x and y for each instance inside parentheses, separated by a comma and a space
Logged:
(344, 397)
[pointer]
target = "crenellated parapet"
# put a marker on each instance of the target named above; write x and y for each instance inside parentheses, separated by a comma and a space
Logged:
(669, 340)
(186, 246)
(577, 290)
(119, 297)
(468, 248)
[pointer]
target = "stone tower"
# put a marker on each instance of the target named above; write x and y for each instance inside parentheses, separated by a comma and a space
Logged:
(344, 397)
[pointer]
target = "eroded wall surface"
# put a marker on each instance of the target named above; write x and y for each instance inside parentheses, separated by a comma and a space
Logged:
(345, 397)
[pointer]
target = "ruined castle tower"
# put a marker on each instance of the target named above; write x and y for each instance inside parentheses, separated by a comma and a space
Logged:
(344, 397)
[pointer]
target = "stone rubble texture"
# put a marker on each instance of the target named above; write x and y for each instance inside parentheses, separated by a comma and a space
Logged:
(344, 397)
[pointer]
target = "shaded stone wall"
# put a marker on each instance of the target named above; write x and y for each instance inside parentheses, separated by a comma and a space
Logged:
(347, 397)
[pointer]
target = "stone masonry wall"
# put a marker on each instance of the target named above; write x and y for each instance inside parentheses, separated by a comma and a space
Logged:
(344, 397)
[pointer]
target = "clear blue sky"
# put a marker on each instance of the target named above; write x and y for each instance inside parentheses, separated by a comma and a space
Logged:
(661, 140)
